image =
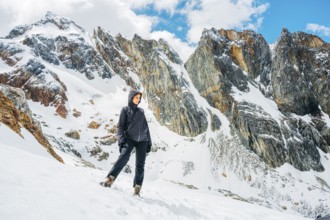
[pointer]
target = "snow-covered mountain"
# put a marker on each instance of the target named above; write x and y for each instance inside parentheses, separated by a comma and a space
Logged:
(240, 118)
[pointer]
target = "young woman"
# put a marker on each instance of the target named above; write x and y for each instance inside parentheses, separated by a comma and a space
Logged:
(133, 132)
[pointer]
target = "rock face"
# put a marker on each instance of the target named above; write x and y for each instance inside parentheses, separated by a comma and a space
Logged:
(300, 73)
(228, 61)
(39, 84)
(226, 58)
(293, 141)
(14, 112)
(166, 89)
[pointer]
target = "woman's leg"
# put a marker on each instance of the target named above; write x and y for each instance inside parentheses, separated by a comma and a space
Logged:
(141, 153)
(122, 159)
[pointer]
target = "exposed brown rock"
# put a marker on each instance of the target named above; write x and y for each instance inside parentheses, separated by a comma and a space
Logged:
(108, 140)
(61, 110)
(113, 130)
(94, 125)
(238, 56)
(76, 113)
(6, 56)
(9, 115)
(13, 118)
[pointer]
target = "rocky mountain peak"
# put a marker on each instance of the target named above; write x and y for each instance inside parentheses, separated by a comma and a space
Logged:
(233, 36)
(303, 59)
(60, 23)
(301, 39)
(284, 32)
(234, 57)
(308, 40)
(210, 35)
(237, 36)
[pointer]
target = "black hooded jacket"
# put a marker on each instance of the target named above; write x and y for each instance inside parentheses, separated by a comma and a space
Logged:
(132, 122)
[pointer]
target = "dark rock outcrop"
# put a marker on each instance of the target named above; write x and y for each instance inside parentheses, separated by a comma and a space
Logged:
(300, 73)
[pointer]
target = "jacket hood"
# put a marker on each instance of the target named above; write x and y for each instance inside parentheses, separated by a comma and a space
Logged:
(131, 94)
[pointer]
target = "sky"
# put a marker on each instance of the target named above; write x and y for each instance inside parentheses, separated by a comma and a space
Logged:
(179, 22)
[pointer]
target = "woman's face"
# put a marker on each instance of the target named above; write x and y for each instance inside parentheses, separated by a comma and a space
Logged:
(136, 99)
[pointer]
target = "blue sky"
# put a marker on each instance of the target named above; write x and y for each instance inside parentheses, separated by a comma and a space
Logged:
(295, 15)
(180, 22)
(173, 22)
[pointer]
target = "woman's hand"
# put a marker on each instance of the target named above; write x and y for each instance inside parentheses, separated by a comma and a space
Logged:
(122, 146)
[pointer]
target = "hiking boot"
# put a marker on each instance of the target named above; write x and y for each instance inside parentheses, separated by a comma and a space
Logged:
(108, 182)
(137, 189)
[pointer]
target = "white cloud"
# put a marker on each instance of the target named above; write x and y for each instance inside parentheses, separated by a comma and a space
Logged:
(225, 14)
(182, 48)
(17, 12)
(322, 30)
(115, 15)
(167, 5)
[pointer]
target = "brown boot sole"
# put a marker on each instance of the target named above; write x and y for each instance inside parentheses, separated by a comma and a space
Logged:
(104, 184)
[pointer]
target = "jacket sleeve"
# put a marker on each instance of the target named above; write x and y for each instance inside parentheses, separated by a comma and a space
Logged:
(121, 127)
(149, 136)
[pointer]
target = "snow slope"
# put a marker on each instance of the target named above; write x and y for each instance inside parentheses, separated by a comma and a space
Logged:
(35, 186)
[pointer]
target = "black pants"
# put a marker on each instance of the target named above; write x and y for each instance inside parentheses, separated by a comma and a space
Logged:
(140, 158)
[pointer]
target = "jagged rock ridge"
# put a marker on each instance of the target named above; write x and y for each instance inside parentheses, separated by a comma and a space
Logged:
(225, 60)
